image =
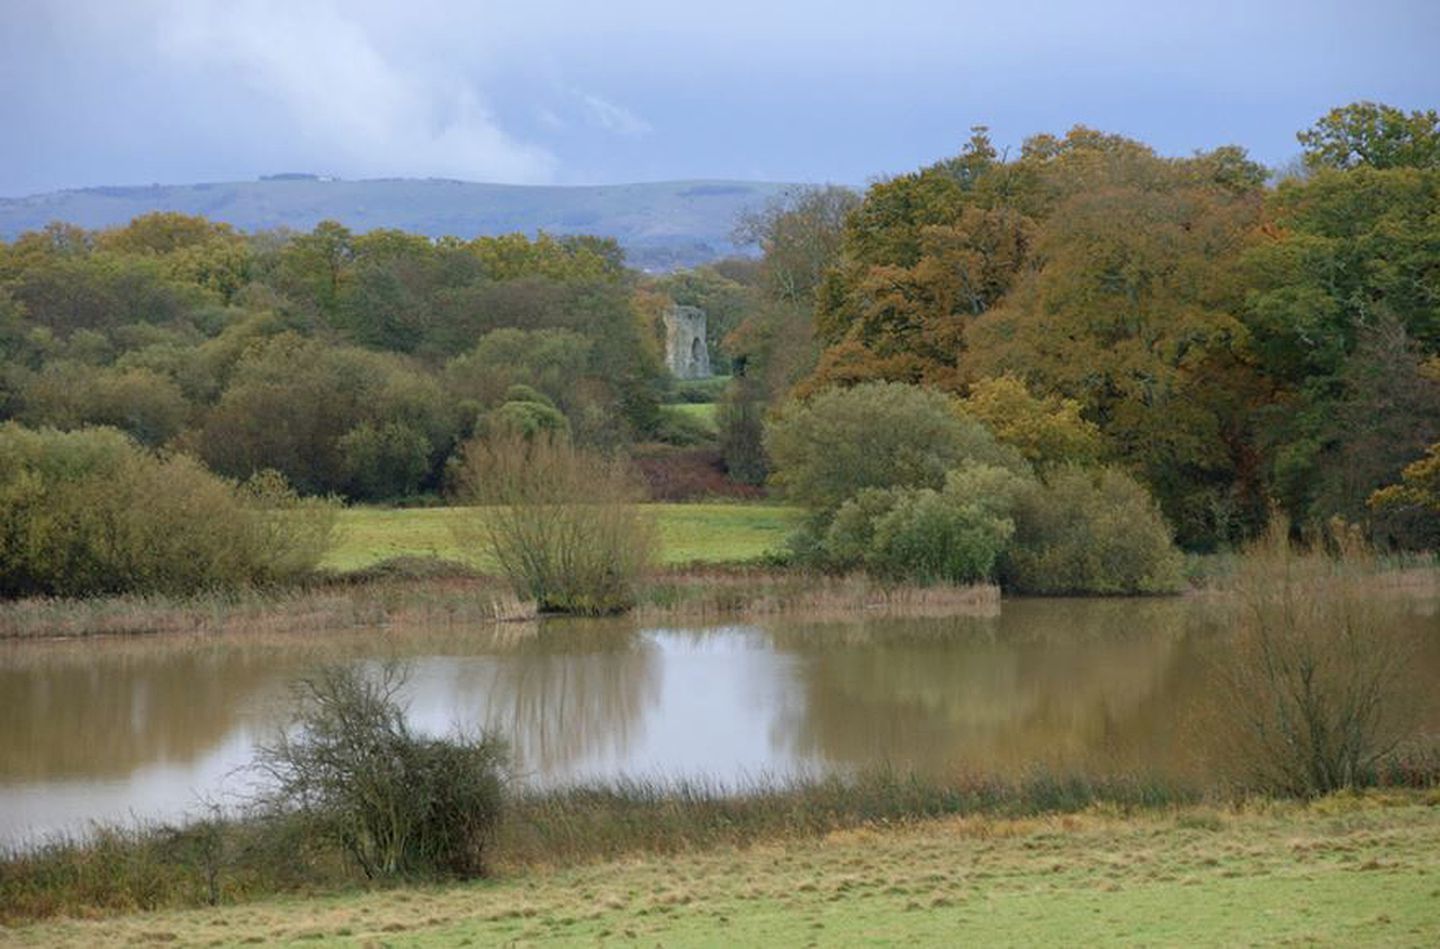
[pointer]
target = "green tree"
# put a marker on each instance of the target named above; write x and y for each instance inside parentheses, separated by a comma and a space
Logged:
(1373, 135)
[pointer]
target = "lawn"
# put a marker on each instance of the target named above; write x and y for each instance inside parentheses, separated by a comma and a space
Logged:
(711, 533)
(1346, 871)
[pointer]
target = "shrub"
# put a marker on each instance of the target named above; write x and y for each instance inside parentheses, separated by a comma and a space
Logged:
(400, 805)
(90, 512)
(1311, 688)
(1090, 531)
(563, 522)
(386, 460)
(683, 429)
(878, 435)
(525, 418)
(951, 536)
(701, 390)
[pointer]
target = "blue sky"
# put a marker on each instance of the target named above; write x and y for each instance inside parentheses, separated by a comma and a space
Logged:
(542, 91)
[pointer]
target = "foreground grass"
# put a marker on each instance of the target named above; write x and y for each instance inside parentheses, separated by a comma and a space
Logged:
(1344, 871)
(689, 533)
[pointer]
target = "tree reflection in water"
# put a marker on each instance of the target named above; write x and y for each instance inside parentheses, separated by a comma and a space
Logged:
(1069, 684)
(562, 692)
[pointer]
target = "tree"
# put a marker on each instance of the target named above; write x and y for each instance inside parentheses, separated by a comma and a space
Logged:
(1135, 316)
(799, 235)
(1418, 488)
(1373, 135)
(1048, 431)
(316, 266)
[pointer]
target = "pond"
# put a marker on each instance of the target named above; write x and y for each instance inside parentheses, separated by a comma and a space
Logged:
(150, 727)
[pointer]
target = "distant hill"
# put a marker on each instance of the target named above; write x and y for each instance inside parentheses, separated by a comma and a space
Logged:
(661, 225)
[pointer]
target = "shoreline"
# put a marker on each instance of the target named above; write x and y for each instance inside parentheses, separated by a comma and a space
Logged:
(414, 593)
(845, 869)
(439, 594)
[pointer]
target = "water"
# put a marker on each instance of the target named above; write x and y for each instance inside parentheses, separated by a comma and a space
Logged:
(149, 728)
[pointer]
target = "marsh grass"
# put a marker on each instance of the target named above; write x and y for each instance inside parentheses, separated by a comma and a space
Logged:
(416, 593)
(409, 600)
(116, 869)
(599, 822)
(706, 593)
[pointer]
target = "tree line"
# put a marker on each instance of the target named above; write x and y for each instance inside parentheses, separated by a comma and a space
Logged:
(1241, 341)
(352, 364)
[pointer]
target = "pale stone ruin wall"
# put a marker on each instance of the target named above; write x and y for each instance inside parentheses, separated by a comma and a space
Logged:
(686, 352)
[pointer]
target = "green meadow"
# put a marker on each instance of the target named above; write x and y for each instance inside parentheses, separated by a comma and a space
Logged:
(689, 533)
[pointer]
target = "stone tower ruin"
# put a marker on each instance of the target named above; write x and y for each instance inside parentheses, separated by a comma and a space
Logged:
(686, 352)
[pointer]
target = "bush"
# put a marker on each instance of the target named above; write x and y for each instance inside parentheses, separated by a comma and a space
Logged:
(385, 461)
(398, 804)
(525, 418)
(1312, 687)
(701, 390)
(90, 512)
(1087, 531)
(878, 435)
(683, 429)
(950, 536)
(563, 522)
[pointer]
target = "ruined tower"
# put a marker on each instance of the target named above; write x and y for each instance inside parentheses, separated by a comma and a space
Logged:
(686, 352)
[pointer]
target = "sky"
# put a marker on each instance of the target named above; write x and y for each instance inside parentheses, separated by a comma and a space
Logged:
(126, 92)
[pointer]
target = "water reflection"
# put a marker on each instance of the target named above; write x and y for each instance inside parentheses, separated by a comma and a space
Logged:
(113, 728)
(564, 693)
(1060, 683)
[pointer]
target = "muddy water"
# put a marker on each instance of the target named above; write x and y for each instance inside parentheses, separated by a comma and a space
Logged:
(148, 728)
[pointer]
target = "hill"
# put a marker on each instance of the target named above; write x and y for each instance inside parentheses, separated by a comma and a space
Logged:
(661, 225)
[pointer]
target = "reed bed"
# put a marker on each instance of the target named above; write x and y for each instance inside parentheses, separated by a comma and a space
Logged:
(420, 593)
(711, 594)
(322, 607)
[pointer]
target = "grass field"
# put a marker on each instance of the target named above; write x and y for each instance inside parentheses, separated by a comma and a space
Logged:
(707, 533)
(1345, 871)
(703, 412)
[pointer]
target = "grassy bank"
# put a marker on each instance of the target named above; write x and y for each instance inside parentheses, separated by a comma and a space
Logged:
(689, 533)
(1346, 870)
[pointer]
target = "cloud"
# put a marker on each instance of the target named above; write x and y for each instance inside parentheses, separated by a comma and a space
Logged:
(370, 113)
(613, 118)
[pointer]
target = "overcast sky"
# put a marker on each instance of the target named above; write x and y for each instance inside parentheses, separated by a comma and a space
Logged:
(99, 92)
